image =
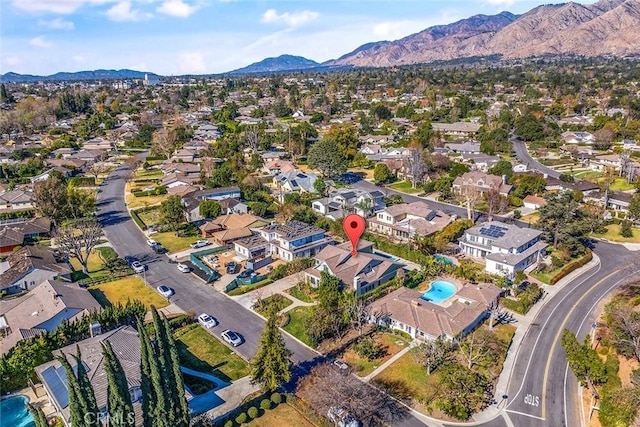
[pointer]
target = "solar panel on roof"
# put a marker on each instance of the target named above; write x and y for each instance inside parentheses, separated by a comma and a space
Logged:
(56, 379)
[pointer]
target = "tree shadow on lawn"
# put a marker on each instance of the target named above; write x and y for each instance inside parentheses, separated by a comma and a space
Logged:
(191, 361)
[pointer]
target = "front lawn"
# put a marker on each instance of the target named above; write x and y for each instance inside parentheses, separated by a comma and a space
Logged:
(404, 187)
(150, 217)
(95, 264)
(391, 344)
(201, 351)
(276, 302)
(532, 218)
(282, 415)
(173, 243)
(618, 184)
(296, 327)
(129, 288)
(613, 234)
(407, 378)
(302, 292)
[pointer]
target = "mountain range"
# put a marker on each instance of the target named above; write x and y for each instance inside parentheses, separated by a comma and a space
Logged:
(605, 28)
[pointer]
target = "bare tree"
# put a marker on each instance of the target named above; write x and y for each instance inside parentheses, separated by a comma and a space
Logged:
(251, 136)
(496, 312)
(360, 313)
(496, 203)
(432, 354)
(473, 348)
(629, 323)
(164, 142)
(415, 165)
(78, 240)
(625, 162)
(97, 169)
(326, 387)
(470, 200)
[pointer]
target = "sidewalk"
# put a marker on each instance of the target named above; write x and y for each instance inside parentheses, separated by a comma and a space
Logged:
(232, 396)
(386, 364)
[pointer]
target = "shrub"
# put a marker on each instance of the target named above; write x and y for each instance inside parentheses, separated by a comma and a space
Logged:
(265, 404)
(229, 423)
(625, 229)
(367, 348)
(252, 412)
(276, 398)
(242, 418)
(571, 267)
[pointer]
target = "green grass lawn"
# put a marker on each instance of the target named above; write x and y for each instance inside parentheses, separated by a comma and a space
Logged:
(150, 217)
(531, 218)
(587, 174)
(282, 415)
(545, 277)
(277, 301)
(95, 265)
(202, 352)
(618, 184)
(148, 174)
(613, 234)
(404, 187)
(129, 288)
(407, 378)
(173, 243)
(390, 342)
(305, 294)
(296, 324)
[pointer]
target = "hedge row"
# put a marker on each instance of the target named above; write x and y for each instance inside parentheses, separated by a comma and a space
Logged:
(27, 213)
(243, 289)
(571, 267)
(159, 190)
(139, 222)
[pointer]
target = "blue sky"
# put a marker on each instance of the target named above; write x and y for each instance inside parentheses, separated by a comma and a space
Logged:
(171, 37)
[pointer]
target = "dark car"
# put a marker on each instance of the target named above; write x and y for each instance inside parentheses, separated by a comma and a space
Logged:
(129, 259)
(524, 285)
(246, 274)
(231, 267)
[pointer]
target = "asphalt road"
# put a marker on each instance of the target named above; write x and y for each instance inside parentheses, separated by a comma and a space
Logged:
(191, 294)
(520, 149)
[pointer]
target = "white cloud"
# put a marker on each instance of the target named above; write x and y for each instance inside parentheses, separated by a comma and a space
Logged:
(40, 42)
(176, 8)
(122, 12)
(192, 63)
(57, 24)
(293, 19)
(55, 6)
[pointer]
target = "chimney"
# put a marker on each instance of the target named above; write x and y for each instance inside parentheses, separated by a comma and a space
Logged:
(504, 179)
(415, 303)
(95, 329)
(356, 281)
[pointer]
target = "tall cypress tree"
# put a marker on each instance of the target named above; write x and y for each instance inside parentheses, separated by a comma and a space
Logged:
(119, 400)
(149, 399)
(38, 416)
(85, 387)
(270, 367)
(182, 408)
(76, 409)
(164, 367)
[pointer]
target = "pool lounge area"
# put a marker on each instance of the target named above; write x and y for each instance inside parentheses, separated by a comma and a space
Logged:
(439, 291)
(14, 412)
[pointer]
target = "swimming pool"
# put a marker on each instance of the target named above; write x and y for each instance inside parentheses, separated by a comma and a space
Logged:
(14, 413)
(443, 259)
(439, 291)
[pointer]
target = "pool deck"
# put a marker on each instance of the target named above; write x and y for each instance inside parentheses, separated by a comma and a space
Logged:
(447, 301)
(41, 399)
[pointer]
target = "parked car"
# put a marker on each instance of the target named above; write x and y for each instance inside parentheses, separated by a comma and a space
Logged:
(152, 242)
(129, 259)
(165, 291)
(340, 417)
(207, 321)
(231, 267)
(246, 274)
(340, 365)
(200, 244)
(138, 267)
(184, 268)
(231, 337)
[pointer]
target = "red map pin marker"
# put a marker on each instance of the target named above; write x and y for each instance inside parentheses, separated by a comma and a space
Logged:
(354, 225)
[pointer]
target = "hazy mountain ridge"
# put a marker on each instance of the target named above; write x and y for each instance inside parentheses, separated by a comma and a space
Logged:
(74, 76)
(608, 27)
(280, 63)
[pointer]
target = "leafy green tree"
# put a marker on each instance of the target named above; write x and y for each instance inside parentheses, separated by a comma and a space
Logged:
(529, 128)
(319, 185)
(456, 169)
(619, 406)
(210, 209)
(381, 173)
(625, 229)
(328, 157)
(119, 404)
(582, 359)
(328, 318)
(503, 167)
(634, 207)
(172, 212)
(462, 391)
(270, 367)
(564, 222)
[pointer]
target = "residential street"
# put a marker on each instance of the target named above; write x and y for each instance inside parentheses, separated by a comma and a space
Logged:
(520, 149)
(191, 295)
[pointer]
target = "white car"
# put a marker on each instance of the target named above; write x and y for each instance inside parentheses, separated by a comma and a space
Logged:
(184, 268)
(165, 291)
(152, 243)
(231, 337)
(207, 321)
(200, 244)
(138, 267)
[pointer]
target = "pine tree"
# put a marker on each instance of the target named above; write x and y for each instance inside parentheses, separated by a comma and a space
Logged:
(271, 367)
(149, 399)
(85, 387)
(119, 400)
(182, 415)
(39, 418)
(76, 409)
(164, 366)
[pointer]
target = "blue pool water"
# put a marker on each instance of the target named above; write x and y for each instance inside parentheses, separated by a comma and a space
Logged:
(439, 291)
(387, 256)
(14, 413)
(443, 259)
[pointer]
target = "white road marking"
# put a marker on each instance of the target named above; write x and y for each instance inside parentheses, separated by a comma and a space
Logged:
(526, 415)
